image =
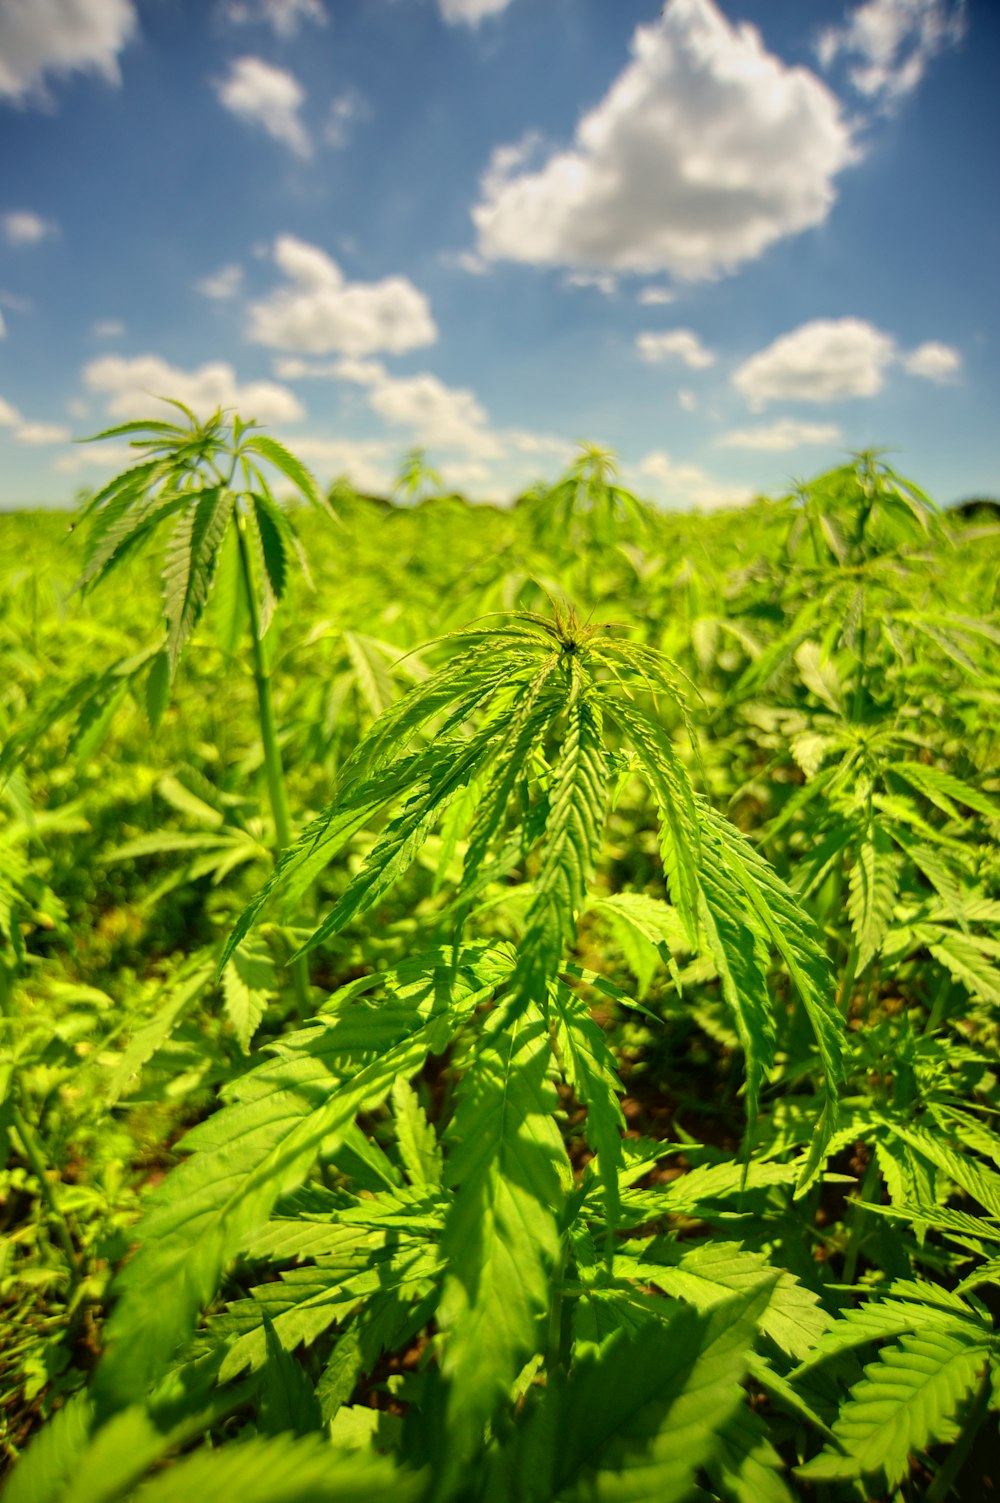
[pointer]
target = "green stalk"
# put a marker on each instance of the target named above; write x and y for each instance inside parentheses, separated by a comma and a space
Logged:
(36, 1160)
(272, 751)
(856, 1218)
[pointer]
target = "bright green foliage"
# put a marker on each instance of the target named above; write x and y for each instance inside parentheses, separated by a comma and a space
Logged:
(633, 1133)
(205, 478)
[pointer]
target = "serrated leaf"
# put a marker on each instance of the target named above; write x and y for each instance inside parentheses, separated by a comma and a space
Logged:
(415, 1137)
(906, 1401)
(501, 1239)
(873, 886)
(262, 1146)
(276, 454)
(189, 565)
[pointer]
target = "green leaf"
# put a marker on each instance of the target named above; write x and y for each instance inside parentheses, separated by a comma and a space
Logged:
(158, 689)
(276, 454)
(282, 1470)
(189, 565)
(501, 1241)
(873, 885)
(272, 544)
(944, 790)
(640, 1413)
(288, 1401)
(263, 1145)
(591, 1070)
(573, 830)
(906, 1401)
(248, 983)
(415, 1137)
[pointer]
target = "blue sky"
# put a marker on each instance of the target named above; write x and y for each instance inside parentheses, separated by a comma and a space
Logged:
(731, 239)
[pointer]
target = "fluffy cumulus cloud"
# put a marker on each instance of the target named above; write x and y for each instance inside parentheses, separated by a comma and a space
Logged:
(891, 43)
(936, 362)
(25, 432)
(222, 284)
(25, 227)
(830, 360)
(42, 37)
(656, 296)
(261, 94)
(683, 487)
(42, 433)
(705, 150)
(470, 12)
(345, 110)
(823, 361)
(422, 410)
(675, 344)
(370, 464)
(780, 436)
(131, 389)
(285, 16)
(435, 415)
(317, 312)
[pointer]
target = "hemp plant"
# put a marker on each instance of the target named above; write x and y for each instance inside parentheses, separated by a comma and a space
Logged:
(205, 479)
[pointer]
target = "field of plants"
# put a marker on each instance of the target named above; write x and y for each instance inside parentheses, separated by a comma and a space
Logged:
(498, 1006)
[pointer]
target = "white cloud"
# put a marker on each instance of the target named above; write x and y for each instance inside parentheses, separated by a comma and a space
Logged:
(683, 487)
(285, 16)
(654, 296)
(3, 328)
(705, 150)
(42, 433)
(24, 227)
(107, 328)
(370, 464)
(892, 41)
(317, 311)
(687, 401)
(437, 416)
(104, 456)
(25, 432)
(604, 281)
(351, 368)
(675, 344)
(15, 303)
(344, 111)
(470, 12)
(131, 389)
(781, 435)
(467, 261)
(60, 36)
(823, 361)
(263, 95)
(425, 412)
(222, 284)
(937, 362)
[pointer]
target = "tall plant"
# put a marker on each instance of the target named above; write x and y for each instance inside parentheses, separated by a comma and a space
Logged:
(491, 1239)
(209, 481)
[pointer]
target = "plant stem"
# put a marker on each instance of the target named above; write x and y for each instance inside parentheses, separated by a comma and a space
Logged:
(847, 980)
(856, 1218)
(553, 1355)
(36, 1160)
(948, 1472)
(272, 750)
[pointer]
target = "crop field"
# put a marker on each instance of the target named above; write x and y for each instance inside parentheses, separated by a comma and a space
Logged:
(497, 1004)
